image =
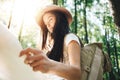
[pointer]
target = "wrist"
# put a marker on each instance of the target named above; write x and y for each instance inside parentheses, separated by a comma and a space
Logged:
(52, 68)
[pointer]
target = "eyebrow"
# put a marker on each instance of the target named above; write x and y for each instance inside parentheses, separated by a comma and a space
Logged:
(50, 16)
(47, 19)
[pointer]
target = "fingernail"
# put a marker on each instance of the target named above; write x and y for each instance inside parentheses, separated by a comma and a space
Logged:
(31, 54)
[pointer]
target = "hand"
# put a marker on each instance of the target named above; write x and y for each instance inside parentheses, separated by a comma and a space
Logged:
(36, 59)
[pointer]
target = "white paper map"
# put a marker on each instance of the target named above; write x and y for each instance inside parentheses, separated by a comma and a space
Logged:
(12, 66)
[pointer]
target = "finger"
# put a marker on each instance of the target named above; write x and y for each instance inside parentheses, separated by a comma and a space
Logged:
(36, 63)
(30, 51)
(40, 68)
(37, 68)
(31, 59)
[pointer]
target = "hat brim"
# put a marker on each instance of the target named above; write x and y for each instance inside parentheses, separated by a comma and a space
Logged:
(39, 16)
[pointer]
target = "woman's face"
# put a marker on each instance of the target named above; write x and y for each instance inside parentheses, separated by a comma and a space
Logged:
(49, 20)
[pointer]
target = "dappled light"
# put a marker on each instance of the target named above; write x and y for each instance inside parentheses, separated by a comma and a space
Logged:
(22, 14)
(93, 21)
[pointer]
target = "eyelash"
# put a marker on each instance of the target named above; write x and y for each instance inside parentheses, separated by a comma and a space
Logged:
(50, 20)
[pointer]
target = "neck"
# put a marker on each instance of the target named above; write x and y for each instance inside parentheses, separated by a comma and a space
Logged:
(50, 35)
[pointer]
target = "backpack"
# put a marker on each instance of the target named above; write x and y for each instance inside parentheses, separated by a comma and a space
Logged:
(94, 62)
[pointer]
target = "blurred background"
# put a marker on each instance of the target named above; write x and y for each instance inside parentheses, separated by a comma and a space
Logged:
(93, 21)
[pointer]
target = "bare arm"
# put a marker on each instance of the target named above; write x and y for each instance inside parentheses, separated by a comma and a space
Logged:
(40, 62)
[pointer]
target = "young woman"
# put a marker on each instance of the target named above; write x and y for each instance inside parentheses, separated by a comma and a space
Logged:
(60, 50)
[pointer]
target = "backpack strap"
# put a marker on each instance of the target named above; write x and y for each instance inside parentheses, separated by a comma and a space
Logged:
(95, 65)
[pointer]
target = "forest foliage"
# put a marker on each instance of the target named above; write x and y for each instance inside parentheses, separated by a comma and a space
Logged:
(92, 22)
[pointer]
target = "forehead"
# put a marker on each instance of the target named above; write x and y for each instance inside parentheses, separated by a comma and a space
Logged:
(48, 15)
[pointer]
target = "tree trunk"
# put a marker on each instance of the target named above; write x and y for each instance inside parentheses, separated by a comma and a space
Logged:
(116, 12)
(63, 2)
(55, 2)
(10, 19)
(116, 55)
(75, 17)
(85, 23)
(111, 74)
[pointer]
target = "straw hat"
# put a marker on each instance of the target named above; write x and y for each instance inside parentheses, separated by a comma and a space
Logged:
(52, 8)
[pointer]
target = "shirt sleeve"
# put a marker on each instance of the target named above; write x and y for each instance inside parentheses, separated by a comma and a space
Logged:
(70, 37)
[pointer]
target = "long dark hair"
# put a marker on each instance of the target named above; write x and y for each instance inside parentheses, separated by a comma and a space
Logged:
(61, 28)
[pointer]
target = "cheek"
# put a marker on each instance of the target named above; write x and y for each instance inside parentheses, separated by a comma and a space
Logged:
(50, 26)
(53, 24)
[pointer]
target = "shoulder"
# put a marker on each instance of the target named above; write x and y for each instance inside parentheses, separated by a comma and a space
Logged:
(71, 37)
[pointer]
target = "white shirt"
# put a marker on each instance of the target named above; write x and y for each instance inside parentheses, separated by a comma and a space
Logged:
(68, 38)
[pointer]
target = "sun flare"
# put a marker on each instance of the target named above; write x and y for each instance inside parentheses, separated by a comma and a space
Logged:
(22, 13)
(24, 10)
